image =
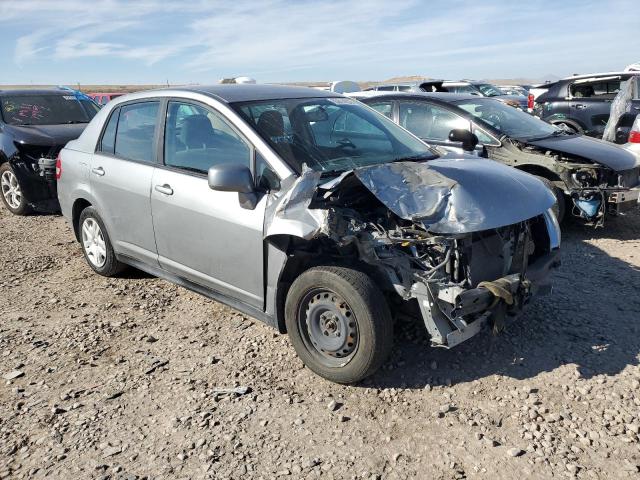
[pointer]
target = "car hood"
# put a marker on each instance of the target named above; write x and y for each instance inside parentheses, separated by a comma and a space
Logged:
(460, 195)
(592, 149)
(45, 135)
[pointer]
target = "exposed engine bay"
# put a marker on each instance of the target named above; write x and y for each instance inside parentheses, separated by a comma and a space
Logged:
(456, 280)
(594, 189)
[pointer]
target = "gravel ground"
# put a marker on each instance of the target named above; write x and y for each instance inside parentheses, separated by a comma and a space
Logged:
(129, 378)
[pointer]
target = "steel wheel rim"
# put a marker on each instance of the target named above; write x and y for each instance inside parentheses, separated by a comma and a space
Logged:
(93, 243)
(328, 327)
(11, 189)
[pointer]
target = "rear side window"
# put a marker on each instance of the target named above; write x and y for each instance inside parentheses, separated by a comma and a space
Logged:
(606, 89)
(385, 108)
(136, 131)
(108, 142)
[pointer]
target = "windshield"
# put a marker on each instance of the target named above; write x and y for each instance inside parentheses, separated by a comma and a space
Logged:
(45, 109)
(508, 120)
(330, 134)
(488, 90)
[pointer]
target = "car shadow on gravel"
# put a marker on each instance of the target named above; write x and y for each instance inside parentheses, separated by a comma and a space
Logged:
(591, 321)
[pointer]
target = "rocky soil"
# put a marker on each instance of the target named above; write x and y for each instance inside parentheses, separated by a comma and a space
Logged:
(133, 378)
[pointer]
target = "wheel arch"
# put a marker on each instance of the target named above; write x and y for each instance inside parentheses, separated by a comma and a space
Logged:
(301, 255)
(79, 205)
(540, 171)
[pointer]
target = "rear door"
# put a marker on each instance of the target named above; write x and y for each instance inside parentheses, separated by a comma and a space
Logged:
(121, 171)
(203, 235)
(590, 103)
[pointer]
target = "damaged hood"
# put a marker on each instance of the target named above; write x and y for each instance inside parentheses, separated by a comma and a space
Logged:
(45, 135)
(457, 195)
(592, 149)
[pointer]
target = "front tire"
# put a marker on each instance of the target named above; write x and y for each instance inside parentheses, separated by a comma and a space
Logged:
(12, 196)
(339, 323)
(96, 245)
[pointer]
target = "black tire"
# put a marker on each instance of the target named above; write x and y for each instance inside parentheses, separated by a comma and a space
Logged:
(111, 266)
(370, 320)
(560, 207)
(22, 208)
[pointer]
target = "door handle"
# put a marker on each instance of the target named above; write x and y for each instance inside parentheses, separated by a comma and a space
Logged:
(580, 106)
(165, 189)
(636, 108)
(98, 171)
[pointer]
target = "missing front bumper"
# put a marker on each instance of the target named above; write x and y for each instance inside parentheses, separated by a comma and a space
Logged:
(455, 314)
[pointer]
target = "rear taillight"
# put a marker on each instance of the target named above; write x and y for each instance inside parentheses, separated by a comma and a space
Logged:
(531, 101)
(58, 167)
(634, 135)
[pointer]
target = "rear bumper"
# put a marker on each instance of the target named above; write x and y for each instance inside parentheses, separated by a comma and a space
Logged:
(456, 314)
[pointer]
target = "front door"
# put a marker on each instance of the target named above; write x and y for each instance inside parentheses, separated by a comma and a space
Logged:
(121, 171)
(203, 235)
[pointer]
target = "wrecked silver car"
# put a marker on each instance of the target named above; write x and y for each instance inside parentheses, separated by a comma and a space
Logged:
(309, 211)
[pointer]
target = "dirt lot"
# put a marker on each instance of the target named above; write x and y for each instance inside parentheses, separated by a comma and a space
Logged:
(119, 378)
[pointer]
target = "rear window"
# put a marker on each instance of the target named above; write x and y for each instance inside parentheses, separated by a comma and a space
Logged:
(44, 110)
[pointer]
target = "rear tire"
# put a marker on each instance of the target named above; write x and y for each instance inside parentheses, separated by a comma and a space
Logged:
(96, 245)
(12, 196)
(560, 206)
(339, 323)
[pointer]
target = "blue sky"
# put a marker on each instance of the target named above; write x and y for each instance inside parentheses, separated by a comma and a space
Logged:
(155, 41)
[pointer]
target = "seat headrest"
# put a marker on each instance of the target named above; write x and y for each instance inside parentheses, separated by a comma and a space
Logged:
(271, 123)
(197, 132)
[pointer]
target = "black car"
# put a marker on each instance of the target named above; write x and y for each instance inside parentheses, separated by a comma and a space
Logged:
(34, 126)
(581, 104)
(597, 178)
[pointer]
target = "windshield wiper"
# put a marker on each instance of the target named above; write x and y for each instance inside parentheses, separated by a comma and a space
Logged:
(72, 122)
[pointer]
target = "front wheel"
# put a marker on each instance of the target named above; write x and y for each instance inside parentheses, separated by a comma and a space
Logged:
(339, 323)
(12, 196)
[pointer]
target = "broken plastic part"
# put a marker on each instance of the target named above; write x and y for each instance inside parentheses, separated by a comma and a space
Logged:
(620, 105)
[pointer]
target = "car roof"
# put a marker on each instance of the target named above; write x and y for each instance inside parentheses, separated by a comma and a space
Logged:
(231, 93)
(602, 74)
(441, 96)
(35, 91)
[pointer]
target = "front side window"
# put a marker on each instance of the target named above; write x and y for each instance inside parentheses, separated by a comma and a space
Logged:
(330, 134)
(43, 110)
(430, 121)
(197, 138)
(507, 120)
(385, 108)
(136, 131)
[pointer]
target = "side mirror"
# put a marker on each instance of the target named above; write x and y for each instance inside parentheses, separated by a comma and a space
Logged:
(230, 177)
(469, 140)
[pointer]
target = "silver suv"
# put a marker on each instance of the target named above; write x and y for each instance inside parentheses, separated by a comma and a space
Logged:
(310, 211)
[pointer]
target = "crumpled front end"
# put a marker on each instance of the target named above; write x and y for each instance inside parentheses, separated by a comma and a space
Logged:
(439, 236)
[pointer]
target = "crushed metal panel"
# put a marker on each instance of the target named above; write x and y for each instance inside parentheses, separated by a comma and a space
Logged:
(457, 195)
(288, 211)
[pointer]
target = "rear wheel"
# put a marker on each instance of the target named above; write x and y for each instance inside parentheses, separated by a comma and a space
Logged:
(96, 245)
(339, 323)
(560, 206)
(12, 196)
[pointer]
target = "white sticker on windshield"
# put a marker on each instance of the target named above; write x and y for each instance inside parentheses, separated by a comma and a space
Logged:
(338, 100)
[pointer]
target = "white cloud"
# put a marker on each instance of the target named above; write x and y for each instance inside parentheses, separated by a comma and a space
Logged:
(348, 38)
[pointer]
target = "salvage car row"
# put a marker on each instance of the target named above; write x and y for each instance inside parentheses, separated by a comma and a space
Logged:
(315, 213)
